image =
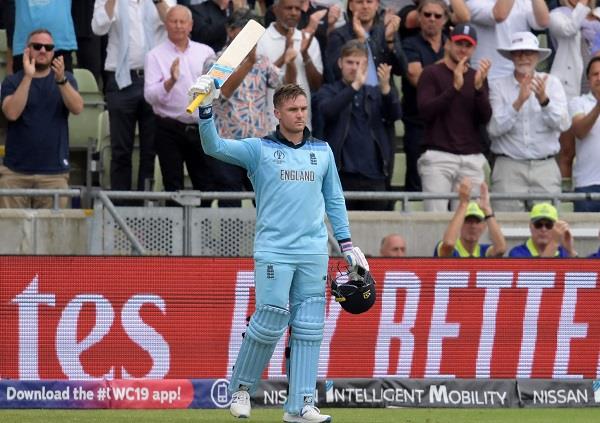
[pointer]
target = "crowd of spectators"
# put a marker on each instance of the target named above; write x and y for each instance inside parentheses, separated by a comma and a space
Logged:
(550, 236)
(477, 89)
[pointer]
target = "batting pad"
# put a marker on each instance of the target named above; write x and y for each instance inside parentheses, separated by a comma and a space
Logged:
(305, 344)
(266, 326)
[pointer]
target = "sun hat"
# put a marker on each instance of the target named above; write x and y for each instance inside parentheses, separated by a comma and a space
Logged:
(520, 41)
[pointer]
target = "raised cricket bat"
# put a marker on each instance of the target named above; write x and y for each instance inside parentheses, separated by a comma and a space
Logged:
(231, 58)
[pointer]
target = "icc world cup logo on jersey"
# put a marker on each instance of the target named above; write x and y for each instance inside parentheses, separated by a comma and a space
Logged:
(279, 156)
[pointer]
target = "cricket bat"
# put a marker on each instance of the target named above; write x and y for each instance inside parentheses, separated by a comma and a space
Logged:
(231, 58)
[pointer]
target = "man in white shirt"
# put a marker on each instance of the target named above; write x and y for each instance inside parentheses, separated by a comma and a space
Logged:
(495, 22)
(295, 51)
(142, 21)
(529, 111)
(584, 111)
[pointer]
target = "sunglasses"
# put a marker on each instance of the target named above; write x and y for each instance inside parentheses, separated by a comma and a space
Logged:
(38, 46)
(430, 14)
(540, 224)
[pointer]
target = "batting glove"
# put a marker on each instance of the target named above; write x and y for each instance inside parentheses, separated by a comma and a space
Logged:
(356, 259)
(205, 84)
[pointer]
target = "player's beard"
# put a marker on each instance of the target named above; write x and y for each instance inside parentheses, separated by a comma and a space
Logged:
(298, 127)
(295, 128)
(40, 67)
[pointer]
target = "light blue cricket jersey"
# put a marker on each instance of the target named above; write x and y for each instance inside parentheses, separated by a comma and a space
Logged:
(294, 187)
(55, 16)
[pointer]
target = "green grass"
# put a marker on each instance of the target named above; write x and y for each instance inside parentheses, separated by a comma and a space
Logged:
(341, 415)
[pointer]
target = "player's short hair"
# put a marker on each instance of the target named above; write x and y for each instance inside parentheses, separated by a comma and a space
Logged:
(354, 48)
(240, 17)
(38, 31)
(287, 92)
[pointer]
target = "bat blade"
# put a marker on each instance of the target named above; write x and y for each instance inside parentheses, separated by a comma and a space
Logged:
(231, 58)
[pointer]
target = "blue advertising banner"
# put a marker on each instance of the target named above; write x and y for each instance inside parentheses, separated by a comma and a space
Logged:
(359, 393)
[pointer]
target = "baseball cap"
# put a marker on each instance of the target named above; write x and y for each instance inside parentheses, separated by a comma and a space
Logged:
(473, 210)
(464, 31)
(543, 211)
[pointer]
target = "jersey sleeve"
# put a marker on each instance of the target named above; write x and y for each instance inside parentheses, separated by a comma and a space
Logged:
(244, 152)
(335, 205)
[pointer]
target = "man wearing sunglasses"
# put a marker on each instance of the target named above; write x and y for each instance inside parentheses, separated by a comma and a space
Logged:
(36, 102)
(550, 237)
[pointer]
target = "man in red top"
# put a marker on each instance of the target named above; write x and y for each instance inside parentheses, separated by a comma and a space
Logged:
(453, 102)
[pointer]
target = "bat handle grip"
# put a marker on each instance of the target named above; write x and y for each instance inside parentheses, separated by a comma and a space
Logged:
(195, 103)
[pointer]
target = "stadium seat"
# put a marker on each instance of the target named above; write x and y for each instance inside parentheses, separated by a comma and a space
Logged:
(399, 125)
(566, 207)
(543, 66)
(88, 87)
(187, 181)
(3, 128)
(3, 50)
(411, 206)
(83, 128)
(158, 181)
(3, 43)
(103, 153)
(399, 129)
(487, 173)
(399, 172)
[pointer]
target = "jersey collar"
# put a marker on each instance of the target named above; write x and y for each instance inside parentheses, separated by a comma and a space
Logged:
(277, 136)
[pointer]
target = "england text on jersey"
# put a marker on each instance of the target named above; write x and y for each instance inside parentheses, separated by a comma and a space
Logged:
(297, 175)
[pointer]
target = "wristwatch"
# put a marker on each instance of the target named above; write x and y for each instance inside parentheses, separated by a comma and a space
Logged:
(62, 81)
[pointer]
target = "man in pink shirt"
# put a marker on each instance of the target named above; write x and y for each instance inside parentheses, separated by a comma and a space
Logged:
(170, 69)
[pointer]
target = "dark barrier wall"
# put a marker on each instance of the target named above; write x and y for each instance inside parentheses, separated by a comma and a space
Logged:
(83, 318)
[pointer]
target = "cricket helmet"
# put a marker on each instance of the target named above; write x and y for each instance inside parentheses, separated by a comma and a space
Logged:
(358, 294)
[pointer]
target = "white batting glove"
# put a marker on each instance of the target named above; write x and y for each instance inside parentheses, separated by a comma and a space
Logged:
(205, 84)
(355, 259)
